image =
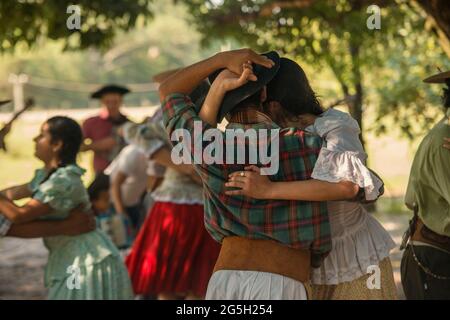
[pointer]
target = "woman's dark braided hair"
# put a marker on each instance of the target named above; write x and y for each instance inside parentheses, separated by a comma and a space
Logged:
(68, 131)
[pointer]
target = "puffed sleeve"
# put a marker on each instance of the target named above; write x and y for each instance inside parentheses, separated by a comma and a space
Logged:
(334, 166)
(342, 157)
(57, 191)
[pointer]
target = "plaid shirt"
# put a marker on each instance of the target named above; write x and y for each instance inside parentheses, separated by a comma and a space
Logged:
(297, 224)
(5, 224)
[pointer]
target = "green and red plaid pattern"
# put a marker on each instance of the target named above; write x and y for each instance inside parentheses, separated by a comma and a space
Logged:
(298, 224)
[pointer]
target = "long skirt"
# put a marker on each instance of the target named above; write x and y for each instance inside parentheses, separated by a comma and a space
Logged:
(362, 288)
(173, 253)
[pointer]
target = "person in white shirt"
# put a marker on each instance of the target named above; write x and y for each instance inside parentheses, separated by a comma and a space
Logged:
(128, 176)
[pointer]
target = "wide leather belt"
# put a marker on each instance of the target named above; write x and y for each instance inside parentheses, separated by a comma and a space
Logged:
(239, 253)
(426, 235)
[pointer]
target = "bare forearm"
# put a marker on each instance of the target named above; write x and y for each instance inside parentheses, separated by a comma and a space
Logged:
(187, 79)
(312, 190)
(117, 198)
(32, 210)
(162, 157)
(11, 211)
(17, 192)
(103, 145)
(212, 103)
(38, 229)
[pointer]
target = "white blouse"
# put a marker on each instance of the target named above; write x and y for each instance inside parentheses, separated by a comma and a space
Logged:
(176, 187)
(342, 156)
(358, 239)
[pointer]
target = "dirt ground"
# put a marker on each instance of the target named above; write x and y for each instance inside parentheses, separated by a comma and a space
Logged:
(22, 262)
(21, 269)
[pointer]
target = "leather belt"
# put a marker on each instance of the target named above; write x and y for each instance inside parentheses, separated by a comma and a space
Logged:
(423, 234)
(239, 253)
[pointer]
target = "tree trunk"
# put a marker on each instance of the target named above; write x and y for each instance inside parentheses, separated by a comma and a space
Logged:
(356, 104)
(438, 12)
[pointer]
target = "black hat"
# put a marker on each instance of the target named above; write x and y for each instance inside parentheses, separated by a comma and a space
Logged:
(4, 102)
(441, 77)
(234, 97)
(110, 88)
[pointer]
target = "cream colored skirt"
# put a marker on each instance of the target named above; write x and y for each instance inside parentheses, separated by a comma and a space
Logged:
(359, 289)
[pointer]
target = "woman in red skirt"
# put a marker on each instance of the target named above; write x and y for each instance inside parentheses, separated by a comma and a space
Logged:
(173, 255)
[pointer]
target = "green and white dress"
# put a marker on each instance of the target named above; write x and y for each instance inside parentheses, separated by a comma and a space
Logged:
(86, 266)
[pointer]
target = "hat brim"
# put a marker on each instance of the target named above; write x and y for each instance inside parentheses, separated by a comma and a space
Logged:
(441, 77)
(234, 97)
(109, 89)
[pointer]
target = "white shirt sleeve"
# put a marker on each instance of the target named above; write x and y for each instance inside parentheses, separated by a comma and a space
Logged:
(127, 163)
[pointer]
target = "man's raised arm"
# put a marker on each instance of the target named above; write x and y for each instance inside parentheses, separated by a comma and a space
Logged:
(187, 79)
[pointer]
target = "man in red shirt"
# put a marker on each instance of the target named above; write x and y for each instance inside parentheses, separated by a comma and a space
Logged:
(100, 132)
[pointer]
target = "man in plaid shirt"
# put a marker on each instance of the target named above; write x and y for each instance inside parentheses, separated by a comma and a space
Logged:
(297, 225)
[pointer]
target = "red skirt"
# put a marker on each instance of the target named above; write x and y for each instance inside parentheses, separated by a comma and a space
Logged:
(173, 252)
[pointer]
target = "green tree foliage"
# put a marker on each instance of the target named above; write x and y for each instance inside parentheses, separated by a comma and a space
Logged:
(58, 78)
(377, 68)
(27, 21)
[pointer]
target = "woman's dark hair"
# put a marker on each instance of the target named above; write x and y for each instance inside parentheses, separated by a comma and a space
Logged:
(68, 131)
(290, 87)
(446, 95)
(99, 185)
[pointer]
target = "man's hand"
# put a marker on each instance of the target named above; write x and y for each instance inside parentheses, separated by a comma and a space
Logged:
(79, 222)
(228, 80)
(234, 60)
(187, 79)
(446, 143)
(250, 183)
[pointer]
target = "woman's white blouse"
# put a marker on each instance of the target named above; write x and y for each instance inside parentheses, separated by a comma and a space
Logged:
(358, 239)
(175, 187)
(342, 156)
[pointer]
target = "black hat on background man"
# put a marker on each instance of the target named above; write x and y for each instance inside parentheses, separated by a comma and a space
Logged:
(234, 97)
(110, 88)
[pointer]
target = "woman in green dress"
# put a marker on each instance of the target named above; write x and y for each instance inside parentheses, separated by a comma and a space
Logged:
(86, 266)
